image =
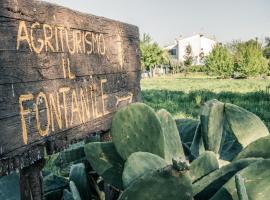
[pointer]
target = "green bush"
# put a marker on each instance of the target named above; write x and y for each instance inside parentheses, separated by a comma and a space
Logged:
(196, 68)
(219, 62)
(249, 59)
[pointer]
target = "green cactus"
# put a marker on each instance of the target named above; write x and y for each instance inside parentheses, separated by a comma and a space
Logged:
(137, 128)
(106, 162)
(60, 163)
(186, 129)
(172, 141)
(140, 163)
(79, 177)
(52, 182)
(256, 179)
(53, 195)
(208, 185)
(197, 146)
(10, 187)
(230, 145)
(203, 165)
(244, 125)
(67, 195)
(240, 187)
(74, 191)
(166, 183)
(212, 117)
(259, 148)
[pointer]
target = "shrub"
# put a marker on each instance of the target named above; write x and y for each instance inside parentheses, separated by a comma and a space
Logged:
(249, 59)
(219, 62)
(196, 68)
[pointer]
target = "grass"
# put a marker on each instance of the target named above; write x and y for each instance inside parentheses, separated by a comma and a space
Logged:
(183, 95)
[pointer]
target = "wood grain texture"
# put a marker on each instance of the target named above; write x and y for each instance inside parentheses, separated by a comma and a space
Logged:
(62, 76)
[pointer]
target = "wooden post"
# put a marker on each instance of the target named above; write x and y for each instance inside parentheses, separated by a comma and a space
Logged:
(31, 181)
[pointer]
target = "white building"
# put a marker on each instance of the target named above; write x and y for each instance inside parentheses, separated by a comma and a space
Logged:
(201, 46)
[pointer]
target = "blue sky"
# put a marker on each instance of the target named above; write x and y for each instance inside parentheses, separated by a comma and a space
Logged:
(165, 20)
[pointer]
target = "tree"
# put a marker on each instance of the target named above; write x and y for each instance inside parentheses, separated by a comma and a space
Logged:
(152, 55)
(249, 59)
(219, 62)
(188, 56)
(266, 50)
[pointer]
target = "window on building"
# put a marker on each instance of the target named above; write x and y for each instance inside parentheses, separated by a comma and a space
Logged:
(172, 52)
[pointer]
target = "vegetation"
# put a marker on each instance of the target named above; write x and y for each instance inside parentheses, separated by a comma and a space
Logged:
(239, 60)
(266, 50)
(189, 56)
(152, 55)
(220, 62)
(249, 59)
(149, 150)
(182, 96)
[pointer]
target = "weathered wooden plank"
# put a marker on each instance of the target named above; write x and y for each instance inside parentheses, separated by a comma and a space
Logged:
(11, 93)
(62, 76)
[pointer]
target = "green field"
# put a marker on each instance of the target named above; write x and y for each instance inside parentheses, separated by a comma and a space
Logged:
(182, 95)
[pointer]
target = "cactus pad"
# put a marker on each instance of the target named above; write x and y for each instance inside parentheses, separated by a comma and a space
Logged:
(140, 163)
(207, 186)
(197, 146)
(105, 161)
(167, 183)
(137, 128)
(240, 187)
(259, 148)
(212, 117)
(67, 195)
(74, 191)
(245, 126)
(79, 177)
(172, 141)
(186, 129)
(203, 165)
(256, 178)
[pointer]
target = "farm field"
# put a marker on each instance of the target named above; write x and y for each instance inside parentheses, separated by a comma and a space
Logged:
(182, 95)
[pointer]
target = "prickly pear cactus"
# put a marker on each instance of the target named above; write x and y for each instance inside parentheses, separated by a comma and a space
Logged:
(212, 117)
(197, 146)
(74, 190)
(79, 177)
(203, 165)
(172, 145)
(186, 129)
(256, 178)
(137, 128)
(240, 187)
(53, 195)
(208, 185)
(67, 195)
(60, 163)
(166, 183)
(52, 182)
(140, 163)
(230, 145)
(106, 162)
(244, 125)
(10, 187)
(259, 148)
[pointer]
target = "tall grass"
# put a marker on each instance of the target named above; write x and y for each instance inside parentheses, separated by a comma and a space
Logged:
(183, 96)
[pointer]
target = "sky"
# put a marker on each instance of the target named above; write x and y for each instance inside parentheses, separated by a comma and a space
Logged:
(166, 20)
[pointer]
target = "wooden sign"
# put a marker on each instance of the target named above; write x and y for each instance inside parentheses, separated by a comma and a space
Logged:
(62, 76)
